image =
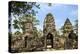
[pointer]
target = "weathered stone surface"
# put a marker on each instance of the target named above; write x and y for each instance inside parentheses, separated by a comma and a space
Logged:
(30, 41)
(49, 29)
(70, 36)
(67, 28)
(71, 42)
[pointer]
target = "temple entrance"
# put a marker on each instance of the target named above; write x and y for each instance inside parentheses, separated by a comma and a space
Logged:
(25, 41)
(49, 40)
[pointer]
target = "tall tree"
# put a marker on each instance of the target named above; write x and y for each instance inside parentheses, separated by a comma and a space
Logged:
(17, 8)
(19, 24)
(17, 33)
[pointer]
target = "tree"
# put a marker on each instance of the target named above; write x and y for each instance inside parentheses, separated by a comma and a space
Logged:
(35, 33)
(40, 33)
(17, 33)
(17, 8)
(19, 24)
(62, 29)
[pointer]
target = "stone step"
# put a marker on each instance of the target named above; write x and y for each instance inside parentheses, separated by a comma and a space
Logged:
(49, 46)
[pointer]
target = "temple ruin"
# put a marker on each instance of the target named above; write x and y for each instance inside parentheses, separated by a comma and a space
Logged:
(50, 40)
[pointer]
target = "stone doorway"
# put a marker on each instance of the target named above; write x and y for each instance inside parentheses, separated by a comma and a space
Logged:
(26, 41)
(49, 40)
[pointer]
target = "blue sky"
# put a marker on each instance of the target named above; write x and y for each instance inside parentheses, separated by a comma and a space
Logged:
(60, 13)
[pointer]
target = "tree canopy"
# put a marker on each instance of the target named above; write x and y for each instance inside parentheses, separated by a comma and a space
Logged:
(18, 8)
(19, 24)
(23, 10)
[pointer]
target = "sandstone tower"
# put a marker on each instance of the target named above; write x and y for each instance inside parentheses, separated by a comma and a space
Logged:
(49, 30)
(28, 31)
(68, 34)
(67, 28)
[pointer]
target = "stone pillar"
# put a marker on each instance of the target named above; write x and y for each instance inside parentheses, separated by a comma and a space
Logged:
(45, 43)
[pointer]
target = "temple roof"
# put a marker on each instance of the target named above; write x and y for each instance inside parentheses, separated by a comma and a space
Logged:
(49, 18)
(49, 14)
(67, 21)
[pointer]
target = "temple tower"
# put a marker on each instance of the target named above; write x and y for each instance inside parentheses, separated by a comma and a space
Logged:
(49, 31)
(68, 34)
(67, 28)
(27, 31)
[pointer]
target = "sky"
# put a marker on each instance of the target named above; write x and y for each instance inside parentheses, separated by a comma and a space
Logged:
(60, 13)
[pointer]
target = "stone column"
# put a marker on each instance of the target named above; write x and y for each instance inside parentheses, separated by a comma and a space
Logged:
(45, 43)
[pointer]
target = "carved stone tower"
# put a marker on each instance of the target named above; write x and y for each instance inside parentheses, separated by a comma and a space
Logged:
(67, 28)
(28, 31)
(49, 31)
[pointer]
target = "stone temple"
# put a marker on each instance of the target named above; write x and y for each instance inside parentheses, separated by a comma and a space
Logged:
(50, 40)
(67, 28)
(49, 31)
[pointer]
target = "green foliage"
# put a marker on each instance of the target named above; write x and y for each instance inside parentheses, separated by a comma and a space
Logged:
(35, 33)
(62, 29)
(16, 26)
(25, 11)
(19, 24)
(17, 33)
(40, 33)
(18, 8)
